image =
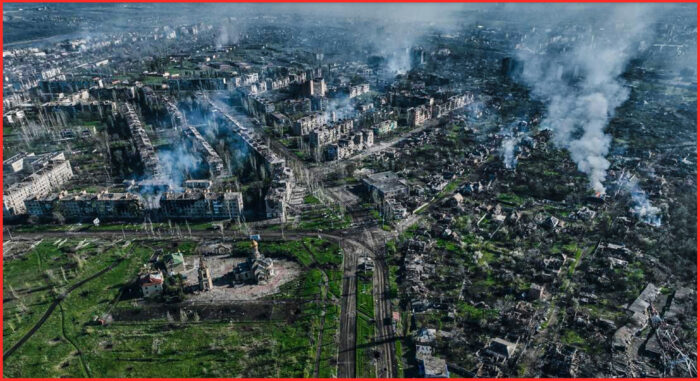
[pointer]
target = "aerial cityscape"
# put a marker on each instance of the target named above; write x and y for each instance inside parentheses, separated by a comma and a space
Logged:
(349, 190)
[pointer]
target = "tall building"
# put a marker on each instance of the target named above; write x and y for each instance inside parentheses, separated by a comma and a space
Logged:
(41, 183)
(417, 57)
(314, 87)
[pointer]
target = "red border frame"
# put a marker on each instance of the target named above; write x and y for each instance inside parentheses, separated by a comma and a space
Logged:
(697, 180)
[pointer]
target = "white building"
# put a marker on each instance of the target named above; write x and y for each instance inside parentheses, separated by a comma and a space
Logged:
(40, 183)
(151, 284)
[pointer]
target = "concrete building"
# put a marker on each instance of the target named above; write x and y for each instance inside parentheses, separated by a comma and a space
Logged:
(502, 348)
(416, 116)
(385, 127)
(314, 87)
(147, 153)
(356, 91)
(198, 184)
(433, 367)
(452, 103)
(386, 184)
(204, 276)
(319, 87)
(41, 183)
(80, 206)
(279, 193)
(304, 125)
(198, 204)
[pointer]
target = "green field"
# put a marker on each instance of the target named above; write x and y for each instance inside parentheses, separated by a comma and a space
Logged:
(72, 344)
(365, 328)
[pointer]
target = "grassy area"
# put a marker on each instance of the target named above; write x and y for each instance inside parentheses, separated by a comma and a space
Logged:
(34, 279)
(510, 198)
(310, 199)
(573, 248)
(323, 252)
(71, 344)
(46, 228)
(399, 358)
(363, 354)
(448, 245)
(472, 313)
(393, 281)
(365, 302)
(571, 337)
(329, 345)
(335, 282)
(365, 327)
(324, 219)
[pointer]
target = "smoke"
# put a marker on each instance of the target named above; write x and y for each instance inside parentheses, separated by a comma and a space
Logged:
(641, 206)
(177, 165)
(513, 135)
(581, 85)
(510, 160)
(341, 107)
(229, 34)
(475, 110)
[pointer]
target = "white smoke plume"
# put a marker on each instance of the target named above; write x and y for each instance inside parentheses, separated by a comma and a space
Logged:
(513, 136)
(341, 107)
(581, 84)
(229, 33)
(177, 165)
(641, 206)
(510, 160)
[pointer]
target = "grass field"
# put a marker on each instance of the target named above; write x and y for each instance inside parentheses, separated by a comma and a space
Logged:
(364, 367)
(72, 344)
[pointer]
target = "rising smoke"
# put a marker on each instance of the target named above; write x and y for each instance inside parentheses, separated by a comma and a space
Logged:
(513, 135)
(581, 85)
(177, 164)
(641, 206)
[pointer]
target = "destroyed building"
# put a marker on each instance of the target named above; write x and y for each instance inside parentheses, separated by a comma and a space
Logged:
(51, 175)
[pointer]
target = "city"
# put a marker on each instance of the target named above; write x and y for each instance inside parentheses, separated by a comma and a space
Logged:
(349, 190)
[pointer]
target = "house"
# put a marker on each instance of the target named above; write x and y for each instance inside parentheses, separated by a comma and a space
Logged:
(151, 284)
(174, 263)
(426, 336)
(433, 367)
(535, 292)
(502, 348)
(551, 222)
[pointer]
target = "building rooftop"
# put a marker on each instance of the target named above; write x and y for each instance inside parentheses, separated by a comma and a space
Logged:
(386, 182)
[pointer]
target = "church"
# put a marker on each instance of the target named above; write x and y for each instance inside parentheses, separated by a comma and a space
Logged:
(257, 268)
